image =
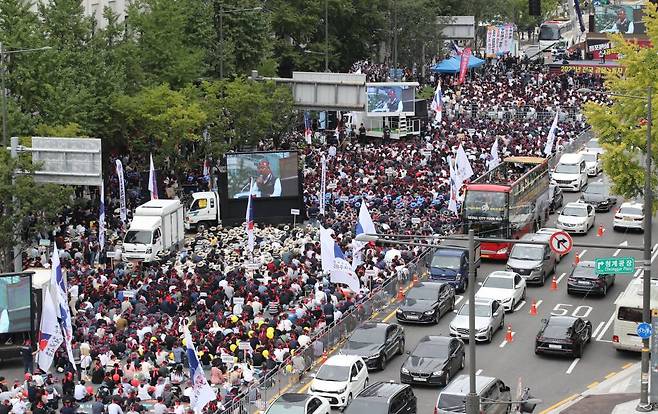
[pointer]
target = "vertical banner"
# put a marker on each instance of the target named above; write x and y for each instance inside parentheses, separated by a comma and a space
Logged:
(323, 185)
(101, 220)
(463, 65)
(653, 362)
(123, 211)
(489, 49)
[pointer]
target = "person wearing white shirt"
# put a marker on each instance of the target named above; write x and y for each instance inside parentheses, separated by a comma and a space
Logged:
(4, 321)
(143, 393)
(159, 407)
(114, 408)
(80, 392)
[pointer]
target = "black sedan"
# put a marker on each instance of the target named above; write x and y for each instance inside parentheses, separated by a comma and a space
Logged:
(376, 343)
(556, 197)
(434, 361)
(598, 195)
(566, 335)
(583, 279)
(426, 303)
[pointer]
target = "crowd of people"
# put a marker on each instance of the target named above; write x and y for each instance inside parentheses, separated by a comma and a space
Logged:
(128, 345)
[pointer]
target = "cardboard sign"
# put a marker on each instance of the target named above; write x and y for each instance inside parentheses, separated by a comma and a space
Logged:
(238, 301)
(294, 211)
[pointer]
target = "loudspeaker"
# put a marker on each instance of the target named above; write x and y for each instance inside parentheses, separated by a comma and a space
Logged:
(535, 7)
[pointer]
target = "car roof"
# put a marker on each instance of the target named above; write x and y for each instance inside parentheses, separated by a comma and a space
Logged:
(502, 273)
(631, 204)
(484, 301)
(570, 158)
(547, 230)
(293, 397)
(585, 263)
(536, 237)
(461, 386)
(575, 204)
(435, 339)
(382, 390)
(342, 360)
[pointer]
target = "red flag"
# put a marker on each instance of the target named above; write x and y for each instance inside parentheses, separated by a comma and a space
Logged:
(463, 64)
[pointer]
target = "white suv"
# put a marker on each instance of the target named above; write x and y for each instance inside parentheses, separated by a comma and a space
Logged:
(340, 379)
(629, 216)
(576, 218)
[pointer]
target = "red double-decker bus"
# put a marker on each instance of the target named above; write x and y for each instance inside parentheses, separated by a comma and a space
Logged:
(507, 202)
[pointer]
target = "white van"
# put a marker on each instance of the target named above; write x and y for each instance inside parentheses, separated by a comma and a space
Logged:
(571, 172)
(628, 314)
(157, 226)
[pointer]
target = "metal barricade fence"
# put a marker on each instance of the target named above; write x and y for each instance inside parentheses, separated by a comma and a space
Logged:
(269, 385)
(515, 112)
(574, 146)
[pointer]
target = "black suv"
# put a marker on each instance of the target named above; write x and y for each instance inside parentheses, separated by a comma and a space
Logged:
(384, 398)
(376, 343)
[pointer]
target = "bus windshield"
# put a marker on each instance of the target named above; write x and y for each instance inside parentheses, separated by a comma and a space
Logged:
(488, 206)
(549, 32)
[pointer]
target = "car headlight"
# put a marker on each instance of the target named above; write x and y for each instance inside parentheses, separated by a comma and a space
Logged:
(429, 312)
(342, 390)
(404, 370)
(507, 300)
(149, 251)
(502, 251)
(538, 268)
(375, 356)
(508, 267)
(399, 311)
(437, 373)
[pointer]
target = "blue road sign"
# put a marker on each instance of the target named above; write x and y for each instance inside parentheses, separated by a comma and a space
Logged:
(644, 330)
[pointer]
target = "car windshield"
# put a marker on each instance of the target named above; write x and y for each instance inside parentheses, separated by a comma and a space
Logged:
(198, 204)
(499, 282)
(574, 211)
(359, 406)
(556, 330)
(584, 272)
(527, 252)
(138, 237)
(629, 314)
(432, 350)
(567, 169)
(597, 188)
(369, 336)
(452, 402)
(447, 262)
(480, 310)
(333, 373)
(634, 211)
(423, 294)
(589, 156)
(485, 205)
(286, 408)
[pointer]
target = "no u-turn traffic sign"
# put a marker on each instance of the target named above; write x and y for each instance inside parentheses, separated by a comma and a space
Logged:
(560, 242)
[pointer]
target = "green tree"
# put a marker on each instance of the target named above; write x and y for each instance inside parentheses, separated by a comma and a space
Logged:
(28, 208)
(622, 126)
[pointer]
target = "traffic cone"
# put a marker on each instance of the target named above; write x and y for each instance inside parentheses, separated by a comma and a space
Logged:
(324, 357)
(576, 260)
(400, 295)
(554, 283)
(533, 308)
(414, 280)
(508, 336)
(599, 231)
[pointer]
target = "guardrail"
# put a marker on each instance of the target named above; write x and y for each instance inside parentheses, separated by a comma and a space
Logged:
(269, 385)
(574, 146)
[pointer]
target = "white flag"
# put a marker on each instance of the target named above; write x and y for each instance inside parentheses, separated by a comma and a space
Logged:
(334, 262)
(101, 220)
(452, 201)
(50, 333)
(463, 170)
(364, 225)
(548, 149)
(58, 284)
(153, 182)
(249, 220)
(323, 184)
(123, 211)
(202, 393)
(495, 159)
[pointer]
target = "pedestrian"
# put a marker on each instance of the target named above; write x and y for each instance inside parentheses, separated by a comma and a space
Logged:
(28, 356)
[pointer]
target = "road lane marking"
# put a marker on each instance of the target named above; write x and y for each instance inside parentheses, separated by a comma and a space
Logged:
(637, 273)
(478, 372)
(592, 385)
(560, 278)
(624, 243)
(653, 256)
(580, 256)
(390, 315)
(519, 306)
(628, 365)
(605, 328)
(559, 403)
(572, 366)
(374, 315)
(596, 331)
(610, 375)
(538, 303)
(304, 388)
(458, 299)
(502, 345)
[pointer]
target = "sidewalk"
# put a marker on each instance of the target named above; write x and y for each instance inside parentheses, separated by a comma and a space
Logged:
(616, 395)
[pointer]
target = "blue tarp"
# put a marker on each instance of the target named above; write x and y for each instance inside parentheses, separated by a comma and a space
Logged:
(452, 65)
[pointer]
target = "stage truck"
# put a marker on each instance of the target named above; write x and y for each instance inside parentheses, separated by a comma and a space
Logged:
(507, 202)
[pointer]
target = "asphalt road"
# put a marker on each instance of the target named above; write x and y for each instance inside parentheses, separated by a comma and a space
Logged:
(550, 378)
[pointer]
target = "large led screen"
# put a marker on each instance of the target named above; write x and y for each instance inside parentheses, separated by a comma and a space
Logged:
(273, 174)
(390, 99)
(15, 304)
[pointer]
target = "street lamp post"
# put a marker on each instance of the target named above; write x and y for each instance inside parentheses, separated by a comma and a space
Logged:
(326, 35)
(221, 32)
(3, 71)
(644, 404)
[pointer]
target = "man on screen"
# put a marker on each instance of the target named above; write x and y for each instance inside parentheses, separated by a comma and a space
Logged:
(4, 321)
(266, 184)
(622, 24)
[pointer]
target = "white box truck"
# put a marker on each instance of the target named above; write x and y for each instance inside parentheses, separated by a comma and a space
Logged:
(203, 210)
(157, 226)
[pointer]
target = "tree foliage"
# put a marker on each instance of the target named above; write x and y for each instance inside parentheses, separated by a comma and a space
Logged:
(622, 126)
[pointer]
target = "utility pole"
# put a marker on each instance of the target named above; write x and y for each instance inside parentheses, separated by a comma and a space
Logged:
(472, 398)
(5, 117)
(326, 35)
(221, 41)
(644, 404)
